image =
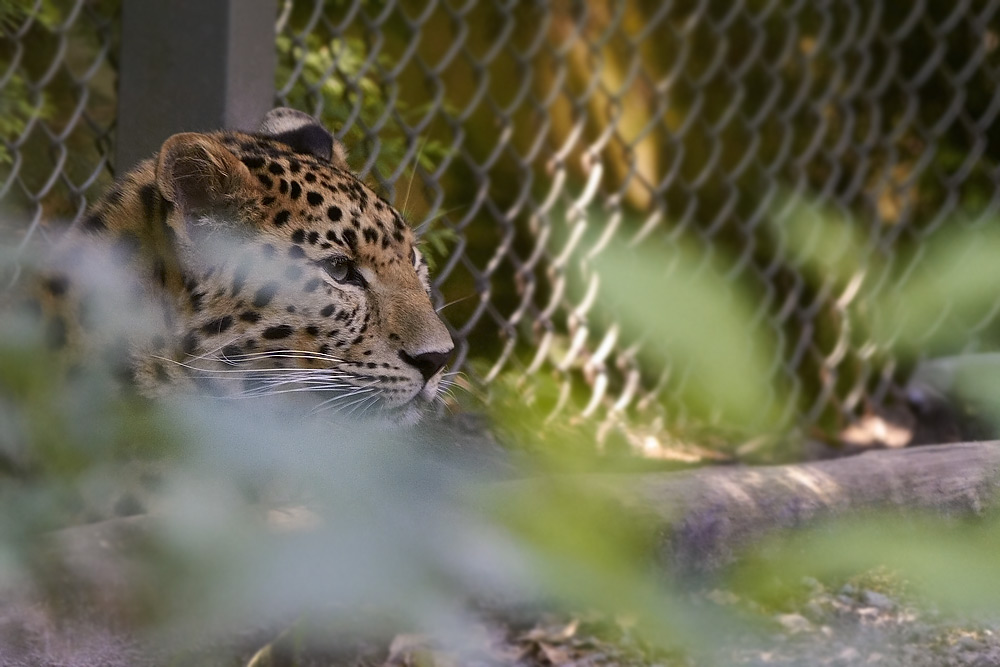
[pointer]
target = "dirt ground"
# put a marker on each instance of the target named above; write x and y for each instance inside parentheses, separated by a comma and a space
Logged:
(852, 625)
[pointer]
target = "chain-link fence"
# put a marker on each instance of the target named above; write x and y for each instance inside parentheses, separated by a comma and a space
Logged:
(57, 112)
(523, 138)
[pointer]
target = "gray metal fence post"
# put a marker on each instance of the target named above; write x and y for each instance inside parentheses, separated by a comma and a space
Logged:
(190, 65)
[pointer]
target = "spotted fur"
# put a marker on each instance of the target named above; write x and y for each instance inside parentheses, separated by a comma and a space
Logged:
(258, 264)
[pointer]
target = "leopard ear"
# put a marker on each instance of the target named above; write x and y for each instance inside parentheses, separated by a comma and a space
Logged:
(304, 134)
(197, 173)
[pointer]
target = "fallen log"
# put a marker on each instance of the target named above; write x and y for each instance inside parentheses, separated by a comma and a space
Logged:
(708, 516)
(705, 517)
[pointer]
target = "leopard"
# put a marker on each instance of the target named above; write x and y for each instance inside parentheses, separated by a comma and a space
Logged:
(230, 264)
(254, 263)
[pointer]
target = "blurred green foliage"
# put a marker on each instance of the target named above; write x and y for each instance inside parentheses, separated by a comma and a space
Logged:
(376, 520)
(706, 326)
(393, 528)
(932, 300)
(951, 563)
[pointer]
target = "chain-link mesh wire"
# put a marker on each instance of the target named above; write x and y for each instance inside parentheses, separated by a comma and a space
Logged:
(57, 110)
(524, 138)
(558, 127)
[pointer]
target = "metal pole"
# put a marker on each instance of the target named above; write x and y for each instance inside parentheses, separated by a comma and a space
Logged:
(191, 65)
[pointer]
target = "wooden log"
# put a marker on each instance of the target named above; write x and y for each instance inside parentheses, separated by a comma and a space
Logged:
(707, 516)
(702, 518)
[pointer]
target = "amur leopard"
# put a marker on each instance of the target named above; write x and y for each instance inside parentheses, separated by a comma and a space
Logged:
(256, 263)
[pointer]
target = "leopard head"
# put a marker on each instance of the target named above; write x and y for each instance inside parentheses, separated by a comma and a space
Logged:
(282, 272)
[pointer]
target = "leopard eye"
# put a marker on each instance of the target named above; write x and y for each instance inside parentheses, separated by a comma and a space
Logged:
(343, 271)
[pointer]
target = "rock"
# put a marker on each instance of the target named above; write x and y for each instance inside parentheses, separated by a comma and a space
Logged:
(794, 623)
(969, 643)
(849, 656)
(877, 600)
(814, 610)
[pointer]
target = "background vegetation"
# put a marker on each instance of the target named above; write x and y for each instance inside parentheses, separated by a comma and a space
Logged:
(694, 119)
(690, 121)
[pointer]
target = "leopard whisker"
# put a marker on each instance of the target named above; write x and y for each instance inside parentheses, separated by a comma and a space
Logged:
(306, 377)
(311, 381)
(426, 222)
(249, 371)
(413, 171)
(259, 393)
(310, 384)
(349, 411)
(272, 381)
(229, 361)
(454, 301)
(243, 370)
(271, 391)
(369, 407)
(281, 354)
(275, 387)
(363, 406)
(358, 397)
(449, 383)
(330, 402)
(210, 354)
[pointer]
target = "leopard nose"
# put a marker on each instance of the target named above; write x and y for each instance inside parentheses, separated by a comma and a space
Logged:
(428, 363)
